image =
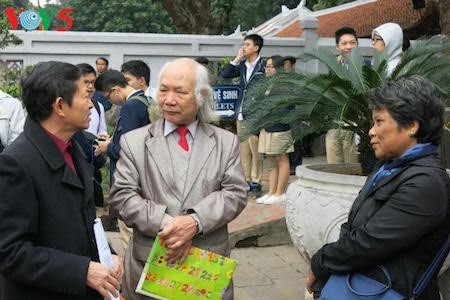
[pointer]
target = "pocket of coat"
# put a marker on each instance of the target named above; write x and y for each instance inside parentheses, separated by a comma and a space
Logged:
(141, 251)
(380, 196)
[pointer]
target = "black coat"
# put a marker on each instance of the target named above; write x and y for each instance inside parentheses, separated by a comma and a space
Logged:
(401, 223)
(46, 214)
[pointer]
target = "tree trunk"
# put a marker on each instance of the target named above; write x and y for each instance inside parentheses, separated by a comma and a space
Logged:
(444, 14)
(196, 17)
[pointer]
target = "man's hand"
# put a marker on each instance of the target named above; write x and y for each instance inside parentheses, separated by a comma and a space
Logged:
(103, 145)
(118, 267)
(97, 151)
(178, 255)
(103, 280)
(310, 280)
(240, 55)
(178, 235)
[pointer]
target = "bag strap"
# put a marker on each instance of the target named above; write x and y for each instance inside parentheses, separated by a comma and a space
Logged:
(429, 272)
(383, 287)
(142, 99)
(96, 106)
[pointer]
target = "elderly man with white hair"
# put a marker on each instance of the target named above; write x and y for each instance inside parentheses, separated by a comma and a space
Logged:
(179, 177)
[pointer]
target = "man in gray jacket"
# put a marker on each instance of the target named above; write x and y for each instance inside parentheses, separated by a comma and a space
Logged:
(179, 177)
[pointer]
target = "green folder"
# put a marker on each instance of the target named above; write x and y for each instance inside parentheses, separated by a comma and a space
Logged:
(203, 275)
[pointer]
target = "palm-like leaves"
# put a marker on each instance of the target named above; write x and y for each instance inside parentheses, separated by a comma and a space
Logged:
(319, 102)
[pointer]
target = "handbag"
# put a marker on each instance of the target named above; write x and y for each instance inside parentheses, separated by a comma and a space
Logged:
(356, 286)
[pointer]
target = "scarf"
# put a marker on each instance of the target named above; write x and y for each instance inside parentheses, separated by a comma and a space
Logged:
(389, 168)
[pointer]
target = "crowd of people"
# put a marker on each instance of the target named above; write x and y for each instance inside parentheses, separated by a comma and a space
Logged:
(175, 175)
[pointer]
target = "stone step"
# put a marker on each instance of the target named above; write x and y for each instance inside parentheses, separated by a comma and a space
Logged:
(259, 225)
(263, 225)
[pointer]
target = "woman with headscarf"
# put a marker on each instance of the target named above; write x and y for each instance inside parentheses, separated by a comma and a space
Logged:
(388, 39)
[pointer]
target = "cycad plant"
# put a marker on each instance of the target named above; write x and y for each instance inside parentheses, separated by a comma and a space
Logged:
(319, 102)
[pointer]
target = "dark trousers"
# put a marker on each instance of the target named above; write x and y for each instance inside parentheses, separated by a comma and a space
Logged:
(296, 157)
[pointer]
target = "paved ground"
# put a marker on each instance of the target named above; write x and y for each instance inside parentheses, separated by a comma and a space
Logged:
(263, 273)
(267, 273)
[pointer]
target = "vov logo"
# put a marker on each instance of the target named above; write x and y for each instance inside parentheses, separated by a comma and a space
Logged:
(31, 19)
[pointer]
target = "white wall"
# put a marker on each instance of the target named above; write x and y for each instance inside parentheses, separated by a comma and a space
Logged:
(154, 49)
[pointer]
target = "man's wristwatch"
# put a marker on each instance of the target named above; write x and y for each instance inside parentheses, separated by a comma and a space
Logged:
(197, 228)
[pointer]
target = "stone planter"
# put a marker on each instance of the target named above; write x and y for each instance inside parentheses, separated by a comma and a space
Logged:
(319, 202)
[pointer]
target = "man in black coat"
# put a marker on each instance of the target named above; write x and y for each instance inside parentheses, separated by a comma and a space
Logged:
(47, 244)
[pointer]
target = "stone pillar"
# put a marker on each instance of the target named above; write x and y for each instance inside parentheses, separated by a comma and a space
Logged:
(310, 26)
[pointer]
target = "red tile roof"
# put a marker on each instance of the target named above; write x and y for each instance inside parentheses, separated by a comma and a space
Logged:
(365, 17)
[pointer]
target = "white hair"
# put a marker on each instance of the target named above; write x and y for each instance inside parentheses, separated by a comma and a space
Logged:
(203, 92)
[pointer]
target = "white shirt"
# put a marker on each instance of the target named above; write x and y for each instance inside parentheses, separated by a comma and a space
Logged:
(251, 67)
(97, 125)
(170, 129)
(12, 118)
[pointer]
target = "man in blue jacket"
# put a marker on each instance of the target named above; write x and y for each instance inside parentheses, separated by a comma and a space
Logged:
(133, 113)
(250, 67)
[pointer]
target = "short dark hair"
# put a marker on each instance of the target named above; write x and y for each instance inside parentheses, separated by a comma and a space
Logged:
(104, 59)
(292, 59)
(257, 40)
(110, 79)
(412, 99)
(344, 30)
(86, 69)
(45, 83)
(137, 68)
(202, 60)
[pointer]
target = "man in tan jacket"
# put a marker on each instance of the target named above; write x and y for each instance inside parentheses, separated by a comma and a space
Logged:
(180, 177)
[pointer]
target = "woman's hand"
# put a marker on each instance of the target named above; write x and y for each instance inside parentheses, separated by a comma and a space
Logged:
(310, 280)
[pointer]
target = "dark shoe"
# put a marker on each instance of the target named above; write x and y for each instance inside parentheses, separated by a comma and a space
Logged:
(255, 189)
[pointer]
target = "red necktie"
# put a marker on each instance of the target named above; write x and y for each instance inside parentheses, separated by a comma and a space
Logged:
(182, 141)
